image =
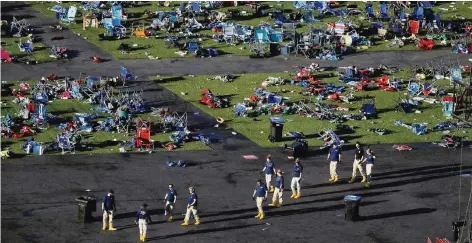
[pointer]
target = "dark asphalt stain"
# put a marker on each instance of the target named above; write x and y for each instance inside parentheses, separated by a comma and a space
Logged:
(229, 178)
(28, 213)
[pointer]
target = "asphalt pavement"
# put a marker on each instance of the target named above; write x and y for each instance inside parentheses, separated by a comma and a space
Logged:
(416, 194)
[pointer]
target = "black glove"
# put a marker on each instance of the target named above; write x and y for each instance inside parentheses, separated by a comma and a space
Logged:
(253, 198)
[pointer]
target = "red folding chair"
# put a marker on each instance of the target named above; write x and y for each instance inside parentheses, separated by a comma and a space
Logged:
(143, 137)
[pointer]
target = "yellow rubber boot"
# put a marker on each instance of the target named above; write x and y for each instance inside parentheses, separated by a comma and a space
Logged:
(335, 179)
(272, 188)
(273, 204)
(262, 216)
(141, 237)
(170, 219)
(197, 222)
(144, 237)
(185, 223)
(364, 179)
(104, 227)
(258, 215)
(298, 196)
(352, 180)
(293, 195)
(111, 228)
(331, 179)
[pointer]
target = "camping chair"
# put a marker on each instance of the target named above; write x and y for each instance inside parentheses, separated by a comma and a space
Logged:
(193, 47)
(426, 44)
(26, 46)
(448, 106)
(126, 76)
(414, 88)
(143, 135)
(228, 34)
(368, 108)
(70, 17)
(418, 13)
(329, 138)
(260, 45)
(384, 12)
(339, 28)
(289, 32)
(370, 11)
(413, 26)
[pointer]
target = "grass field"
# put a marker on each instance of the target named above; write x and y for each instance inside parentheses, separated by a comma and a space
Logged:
(258, 130)
(40, 53)
(95, 142)
(156, 46)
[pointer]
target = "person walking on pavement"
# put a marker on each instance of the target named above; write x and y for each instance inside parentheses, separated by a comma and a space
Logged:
(297, 177)
(334, 156)
(192, 207)
(260, 195)
(142, 220)
(170, 199)
(277, 199)
(370, 161)
(108, 209)
(269, 169)
(357, 165)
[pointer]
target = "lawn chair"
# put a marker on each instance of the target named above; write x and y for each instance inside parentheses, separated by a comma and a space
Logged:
(448, 106)
(329, 138)
(126, 76)
(192, 47)
(384, 12)
(228, 34)
(26, 47)
(370, 11)
(260, 44)
(70, 17)
(414, 88)
(368, 108)
(143, 135)
(414, 26)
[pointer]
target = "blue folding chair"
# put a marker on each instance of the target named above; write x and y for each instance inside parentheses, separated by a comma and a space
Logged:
(384, 12)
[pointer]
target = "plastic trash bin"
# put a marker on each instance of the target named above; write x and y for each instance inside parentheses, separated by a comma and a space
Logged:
(87, 205)
(276, 129)
(352, 207)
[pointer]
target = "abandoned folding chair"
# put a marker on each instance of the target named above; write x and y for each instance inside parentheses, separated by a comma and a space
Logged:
(260, 45)
(329, 138)
(228, 34)
(414, 88)
(26, 46)
(70, 17)
(384, 12)
(370, 11)
(143, 136)
(368, 108)
(448, 106)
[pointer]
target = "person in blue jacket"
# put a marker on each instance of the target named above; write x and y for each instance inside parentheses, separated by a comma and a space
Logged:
(334, 156)
(260, 195)
(170, 199)
(142, 219)
(269, 169)
(369, 159)
(192, 207)
(108, 209)
(279, 190)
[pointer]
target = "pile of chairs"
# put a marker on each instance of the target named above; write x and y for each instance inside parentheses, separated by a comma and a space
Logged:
(59, 52)
(213, 101)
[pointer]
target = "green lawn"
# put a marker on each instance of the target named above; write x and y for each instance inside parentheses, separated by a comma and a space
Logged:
(258, 130)
(95, 142)
(155, 47)
(40, 53)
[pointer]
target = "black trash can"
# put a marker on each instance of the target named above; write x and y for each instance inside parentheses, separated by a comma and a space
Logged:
(352, 207)
(276, 129)
(87, 205)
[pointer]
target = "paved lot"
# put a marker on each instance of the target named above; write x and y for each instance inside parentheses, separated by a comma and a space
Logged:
(415, 196)
(416, 193)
